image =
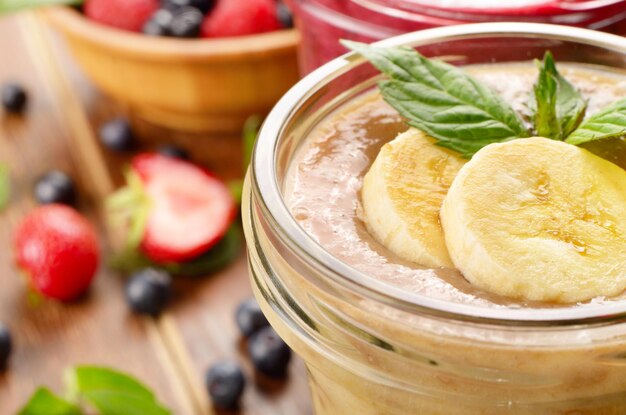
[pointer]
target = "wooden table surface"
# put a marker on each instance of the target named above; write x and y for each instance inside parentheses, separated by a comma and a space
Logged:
(171, 353)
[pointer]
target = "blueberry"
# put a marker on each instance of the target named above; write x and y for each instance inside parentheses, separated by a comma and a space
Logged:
(152, 28)
(225, 383)
(55, 187)
(172, 151)
(148, 291)
(269, 353)
(285, 17)
(187, 22)
(6, 346)
(159, 23)
(117, 135)
(249, 317)
(203, 5)
(14, 98)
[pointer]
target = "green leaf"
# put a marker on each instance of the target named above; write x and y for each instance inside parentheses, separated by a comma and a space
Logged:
(222, 254)
(250, 132)
(5, 187)
(610, 122)
(236, 190)
(217, 258)
(112, 392)
(129, 208)
(440, 99)
(44, 402)
(559, 106)
(7, 6)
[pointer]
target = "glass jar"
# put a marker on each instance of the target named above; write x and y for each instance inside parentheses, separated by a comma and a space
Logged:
(372, 349)
(324, 22)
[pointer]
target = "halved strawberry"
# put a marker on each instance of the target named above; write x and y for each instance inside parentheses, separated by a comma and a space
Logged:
(182, 210)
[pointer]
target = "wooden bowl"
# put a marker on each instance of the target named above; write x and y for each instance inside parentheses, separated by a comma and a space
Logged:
(199, 85)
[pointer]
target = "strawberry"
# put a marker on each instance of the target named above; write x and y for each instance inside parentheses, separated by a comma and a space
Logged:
(241, 17)
(58, 250)
(123, 14)
(177, 209)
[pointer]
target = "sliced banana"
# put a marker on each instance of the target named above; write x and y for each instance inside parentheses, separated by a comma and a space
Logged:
(402, 195)
(538, 219)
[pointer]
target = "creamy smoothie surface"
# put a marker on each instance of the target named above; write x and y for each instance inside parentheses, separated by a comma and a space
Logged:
(324, 183)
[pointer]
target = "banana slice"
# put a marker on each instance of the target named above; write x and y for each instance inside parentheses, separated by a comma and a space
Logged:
(402, 195)
(538, 219)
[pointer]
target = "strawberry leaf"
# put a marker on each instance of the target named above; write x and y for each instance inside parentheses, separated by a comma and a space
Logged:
(7, 6)
(610, 122)
(129, 208)
(442, 100)
(560, 107)
(44, 402)
(222, 254)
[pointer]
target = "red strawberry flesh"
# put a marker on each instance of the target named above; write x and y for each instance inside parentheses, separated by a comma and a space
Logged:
(122, 14)
(58, 249)
(190, 209)
(241, 17)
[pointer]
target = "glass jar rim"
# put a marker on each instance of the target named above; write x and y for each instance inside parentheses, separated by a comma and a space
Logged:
(266, 186)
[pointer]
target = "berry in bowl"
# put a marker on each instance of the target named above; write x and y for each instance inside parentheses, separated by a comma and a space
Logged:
(184, 64)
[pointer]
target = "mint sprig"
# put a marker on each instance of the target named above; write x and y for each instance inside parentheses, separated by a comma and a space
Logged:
(107, 391)
(610, 122)
(464, 115)
(44, 402)
(559, 106)
(460, 112)
(7, 6)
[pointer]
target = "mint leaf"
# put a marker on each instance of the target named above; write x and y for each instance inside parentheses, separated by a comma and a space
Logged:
(610, 122)
(440, 99)
(112, 392)
(44, 402)
(560, 107)
(7, 6)
(5, 187)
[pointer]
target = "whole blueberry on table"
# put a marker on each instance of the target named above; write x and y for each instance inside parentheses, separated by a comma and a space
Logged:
(14, 97)
(55, 187)
(187, 22)
(117, 135)
(225, 383)
(249, 317)
(6, 346)
(203, 5)
(148, 291)
(270, 355)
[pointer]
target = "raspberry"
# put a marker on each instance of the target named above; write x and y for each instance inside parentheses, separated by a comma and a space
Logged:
(123, 14)
(241, 17)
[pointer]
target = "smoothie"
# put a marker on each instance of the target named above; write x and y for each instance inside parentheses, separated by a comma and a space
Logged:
(383, 335)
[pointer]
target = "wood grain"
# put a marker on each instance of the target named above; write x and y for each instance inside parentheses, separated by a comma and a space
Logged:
(172, 353)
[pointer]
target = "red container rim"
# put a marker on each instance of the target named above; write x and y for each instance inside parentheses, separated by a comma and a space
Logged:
(577, 11)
